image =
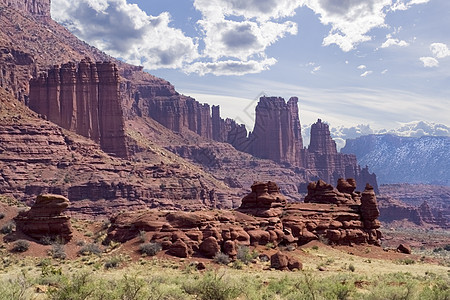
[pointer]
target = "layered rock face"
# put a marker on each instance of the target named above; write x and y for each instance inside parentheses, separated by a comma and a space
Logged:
(205, 233)
(37, 8)
(341, 215)
(277, 132)
(46, 219)
(84, 99)
(176, 112)
(265, 200)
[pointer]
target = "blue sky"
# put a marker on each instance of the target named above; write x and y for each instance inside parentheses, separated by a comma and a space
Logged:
(352, 63)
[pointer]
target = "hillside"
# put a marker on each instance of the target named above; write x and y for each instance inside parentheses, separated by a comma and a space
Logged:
(404, 159)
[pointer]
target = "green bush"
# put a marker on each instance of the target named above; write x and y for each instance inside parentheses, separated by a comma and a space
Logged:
(58, 251)
(112, 263)
(80, 286)
(8, 228)
(150, 249)
(244, 254)
(90, 249)
(21, 246)
(142, 238)
(221, 258)
(213, 286)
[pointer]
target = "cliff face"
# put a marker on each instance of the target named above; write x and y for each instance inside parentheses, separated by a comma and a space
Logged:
(277, 136)
(277, 131)
(37, 8)
(84, 99)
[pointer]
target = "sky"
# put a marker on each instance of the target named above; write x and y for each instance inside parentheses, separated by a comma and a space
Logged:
(363, 66)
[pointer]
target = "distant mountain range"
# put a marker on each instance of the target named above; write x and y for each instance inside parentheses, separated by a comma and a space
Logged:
(398, 159)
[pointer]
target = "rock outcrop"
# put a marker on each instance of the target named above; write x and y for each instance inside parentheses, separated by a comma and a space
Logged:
(355, 223)
(321, 192)
(265, 200)
(206, 233)
(84, 99)
(46, 219)
(36, 8)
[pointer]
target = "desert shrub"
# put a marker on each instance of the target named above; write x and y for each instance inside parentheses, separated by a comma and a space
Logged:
(58, 251)
(447, 247)
(238, 265)
(81, 243)
(2, 216)
(221, 258)
(315, 247)
(21, 246)
(245, 255)
(270, 245)
(351, 267)
(213, 286)
(406, 261)
(16, 288)
(90, 249)
(142, 236)
(80, 286)
(113, 262)
(8, 228)
(106, 224)
(150, 249)
(45, 240)
(439, 290)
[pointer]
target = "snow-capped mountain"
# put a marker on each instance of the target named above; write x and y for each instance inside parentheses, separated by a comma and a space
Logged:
(398, 159)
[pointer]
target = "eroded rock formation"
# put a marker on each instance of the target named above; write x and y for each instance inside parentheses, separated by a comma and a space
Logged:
(46, 219)
(321, 192)
(207, 232)
(37, 8)
(84, 99)
(265, 200)
(277, 132)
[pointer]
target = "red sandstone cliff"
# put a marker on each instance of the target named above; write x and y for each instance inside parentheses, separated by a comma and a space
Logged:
(84, 99)
(37, 8)
(277, 131)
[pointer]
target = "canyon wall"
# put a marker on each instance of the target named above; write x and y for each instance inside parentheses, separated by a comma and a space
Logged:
(276, 134)
(85, 99)
(37, 8)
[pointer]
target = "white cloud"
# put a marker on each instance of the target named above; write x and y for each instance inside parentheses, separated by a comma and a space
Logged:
(411, 129)
(232, 32)
(366, 73)
(439, 50)
(405, 4)
(384, 71)
(240, 45)
(429, 62)
(352, 20)
(230, 67)
(394, 42)
(362, 67)
(316, 69)
(124, 30)
(421, 128)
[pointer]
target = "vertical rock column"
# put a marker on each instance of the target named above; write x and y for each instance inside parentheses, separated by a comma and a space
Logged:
(110, 110)
(53, 95)
(68, 96)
